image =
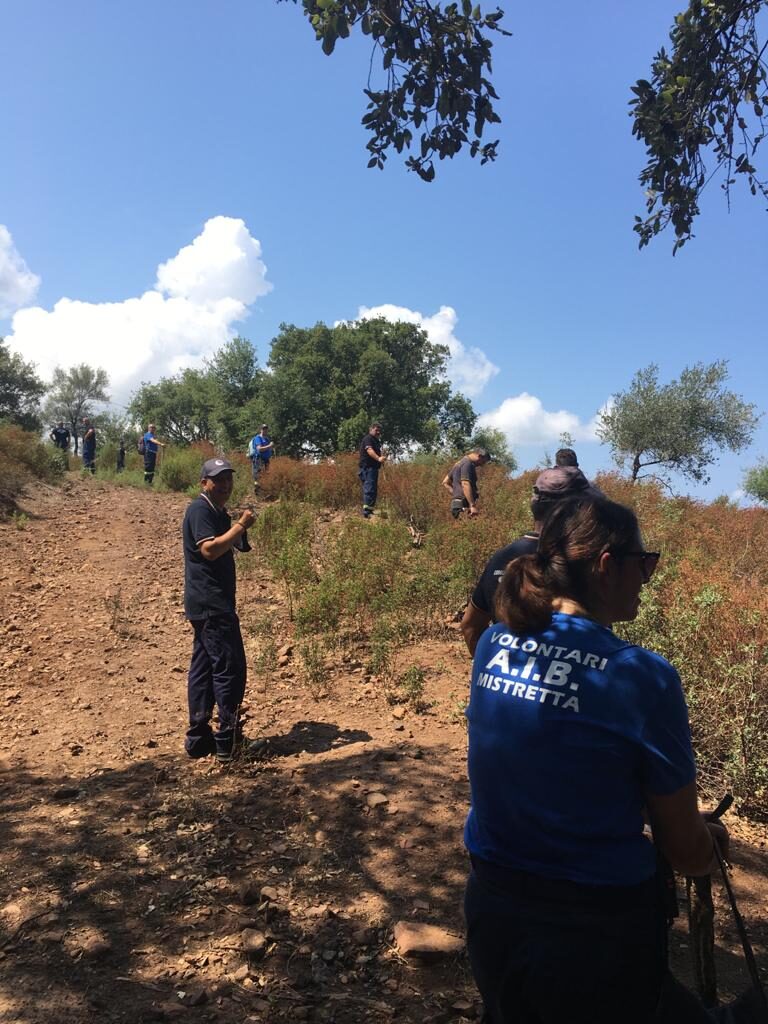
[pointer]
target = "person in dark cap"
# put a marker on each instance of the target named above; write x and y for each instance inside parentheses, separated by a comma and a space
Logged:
(551, 487)
(461, 482)
(370, 460)
(217, 672)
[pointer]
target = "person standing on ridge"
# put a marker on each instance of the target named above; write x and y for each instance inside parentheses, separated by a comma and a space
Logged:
(120, 456)
(461, 482)
(151, 445)
(217, 672)
(260, 451)
(371, 461)
(60, 436)
(89, 445)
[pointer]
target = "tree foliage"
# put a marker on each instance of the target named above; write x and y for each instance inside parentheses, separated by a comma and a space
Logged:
(434, 62)
(74, 393)
(329, 383)
(756, 481)
(678, 426)
(181, 407)
(219, 403)
(706, 97)
(20, 390)
(496, 443)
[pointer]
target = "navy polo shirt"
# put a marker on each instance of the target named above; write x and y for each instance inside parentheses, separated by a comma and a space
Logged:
(569, 729)
(484, 594)
(209, 587)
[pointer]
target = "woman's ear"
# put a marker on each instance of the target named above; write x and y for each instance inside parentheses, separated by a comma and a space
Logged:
(605, 565)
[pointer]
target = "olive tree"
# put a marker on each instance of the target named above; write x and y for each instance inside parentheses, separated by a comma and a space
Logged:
(679, 426)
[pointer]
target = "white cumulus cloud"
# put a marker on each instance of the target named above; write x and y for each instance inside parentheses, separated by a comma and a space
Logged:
(200, 294)
(469, 369)
(18, 285)
(524, 420)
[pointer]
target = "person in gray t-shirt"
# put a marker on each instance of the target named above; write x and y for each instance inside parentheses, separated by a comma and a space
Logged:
(461, 482)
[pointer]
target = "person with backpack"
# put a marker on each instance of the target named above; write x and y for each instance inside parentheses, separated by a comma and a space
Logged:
(60, 436)
(574, 736)
(148, 446)
(260, 451)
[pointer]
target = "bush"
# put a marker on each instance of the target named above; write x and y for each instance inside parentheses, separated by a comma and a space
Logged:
(23, 458)
(179, 469)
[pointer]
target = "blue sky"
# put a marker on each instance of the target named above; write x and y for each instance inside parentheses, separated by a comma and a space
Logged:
(129, 128)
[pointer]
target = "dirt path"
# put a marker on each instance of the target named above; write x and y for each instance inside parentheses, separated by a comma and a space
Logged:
(128, 874)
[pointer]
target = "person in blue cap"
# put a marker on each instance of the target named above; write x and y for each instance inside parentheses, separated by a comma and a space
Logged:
(217, 672)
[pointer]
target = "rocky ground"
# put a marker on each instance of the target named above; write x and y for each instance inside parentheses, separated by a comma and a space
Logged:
(136, 885)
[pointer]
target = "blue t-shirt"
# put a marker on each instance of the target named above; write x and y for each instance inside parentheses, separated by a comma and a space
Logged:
(568, 730)
(150, 445)
(266, 455)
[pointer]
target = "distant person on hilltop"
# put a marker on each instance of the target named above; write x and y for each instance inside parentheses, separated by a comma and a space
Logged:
(566, 457)
(260, 451)
(370, 462)
(551, 487)
(89, 445)
(461, 482)
(217, 672)
(120, 456)
(60, 436)
(151, 444)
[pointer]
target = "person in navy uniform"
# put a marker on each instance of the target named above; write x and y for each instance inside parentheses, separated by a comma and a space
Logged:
(89, 445)
(217, 672)
(371, 460)
(60, 436)
(151, 444)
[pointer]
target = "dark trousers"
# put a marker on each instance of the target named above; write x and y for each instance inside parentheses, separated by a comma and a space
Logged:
(89, 459)
(552, 952)
(369, 477)
(150, 459)
(217, 675)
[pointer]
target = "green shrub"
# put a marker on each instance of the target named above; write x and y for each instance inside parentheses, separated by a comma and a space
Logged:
(23, 458)
(179, 469)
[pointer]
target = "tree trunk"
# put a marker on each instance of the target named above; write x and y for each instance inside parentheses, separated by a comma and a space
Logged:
(635, 467)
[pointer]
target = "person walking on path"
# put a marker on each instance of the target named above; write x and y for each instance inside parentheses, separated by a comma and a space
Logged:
(60, 436)
(573, 736)
(461, 482)
(370, 462)
(151, 444)
(217, 672)
(551, 487)
(89, 445)
(261, 450)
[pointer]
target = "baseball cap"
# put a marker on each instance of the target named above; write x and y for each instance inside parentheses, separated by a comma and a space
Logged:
(562, 482)
(212, 468)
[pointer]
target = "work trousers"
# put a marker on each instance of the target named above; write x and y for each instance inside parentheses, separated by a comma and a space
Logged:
(217, 676)
(547, 952)
(150, 461)
(369, 477)
(89, 459)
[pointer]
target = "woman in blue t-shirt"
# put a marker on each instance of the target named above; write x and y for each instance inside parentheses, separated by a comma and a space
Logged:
(574, 736)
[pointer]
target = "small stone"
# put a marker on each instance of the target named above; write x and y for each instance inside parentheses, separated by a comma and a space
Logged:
(171, 1011)
(249, 893)
(320, 836)
(242, 972)
(426, 941)
(462, 1005)
(420, 905)
(253, 941)
(196, 997)
(268, 892)
(398, 713)
(376, 799)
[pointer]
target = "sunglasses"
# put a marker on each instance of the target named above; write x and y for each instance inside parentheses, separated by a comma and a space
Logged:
(648, 561)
